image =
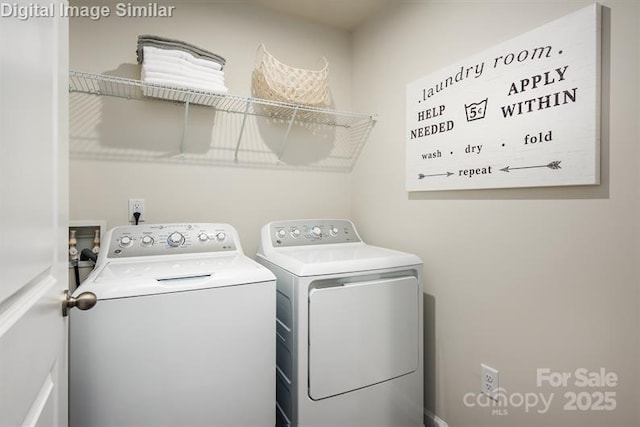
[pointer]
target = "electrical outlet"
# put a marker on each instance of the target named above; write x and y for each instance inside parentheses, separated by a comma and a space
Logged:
(136, 205)
(489, 381)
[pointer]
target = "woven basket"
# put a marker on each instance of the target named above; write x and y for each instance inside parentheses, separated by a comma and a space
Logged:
(275, 81)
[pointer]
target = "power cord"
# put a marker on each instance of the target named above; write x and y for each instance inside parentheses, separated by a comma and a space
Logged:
(136, 215)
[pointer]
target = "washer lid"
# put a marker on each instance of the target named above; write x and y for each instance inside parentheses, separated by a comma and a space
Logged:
(338, 258)
(126, 278)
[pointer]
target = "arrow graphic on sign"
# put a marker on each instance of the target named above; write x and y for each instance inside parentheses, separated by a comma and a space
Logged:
(423, 176)
(553, 165)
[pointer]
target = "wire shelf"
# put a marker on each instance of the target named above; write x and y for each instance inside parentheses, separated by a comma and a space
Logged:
(350, 130)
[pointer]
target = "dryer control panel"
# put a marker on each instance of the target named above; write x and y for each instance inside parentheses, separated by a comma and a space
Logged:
(312, 232)
(170, 239)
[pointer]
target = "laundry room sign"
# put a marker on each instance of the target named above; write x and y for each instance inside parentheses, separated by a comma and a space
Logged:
(522, 114)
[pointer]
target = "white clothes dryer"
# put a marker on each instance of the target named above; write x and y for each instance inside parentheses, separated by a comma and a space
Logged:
(182, 333)
(349, 327)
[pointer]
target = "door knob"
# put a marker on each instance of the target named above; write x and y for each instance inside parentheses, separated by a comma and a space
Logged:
(84, 301)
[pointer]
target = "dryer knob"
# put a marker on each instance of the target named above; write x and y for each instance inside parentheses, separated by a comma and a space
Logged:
(316, 232)
(175, 239)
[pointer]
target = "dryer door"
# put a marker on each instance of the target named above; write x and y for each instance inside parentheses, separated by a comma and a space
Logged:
(361, 334)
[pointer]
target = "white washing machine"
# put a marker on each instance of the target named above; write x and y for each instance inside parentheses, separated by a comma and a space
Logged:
(349, 327)
(182, 334)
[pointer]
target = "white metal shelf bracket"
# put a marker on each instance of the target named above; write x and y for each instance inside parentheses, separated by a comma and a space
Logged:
(242, 126)
(185, 125)
(285, 140)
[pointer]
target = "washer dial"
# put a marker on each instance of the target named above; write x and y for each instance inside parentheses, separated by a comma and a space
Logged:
(146, 241)
(125, 241)
(175, 239)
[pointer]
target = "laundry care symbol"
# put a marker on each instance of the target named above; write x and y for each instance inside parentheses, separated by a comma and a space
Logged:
(553, 165)
(476, 110)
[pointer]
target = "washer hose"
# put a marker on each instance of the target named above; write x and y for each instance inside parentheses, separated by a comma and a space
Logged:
(76, 271)
(87, 255)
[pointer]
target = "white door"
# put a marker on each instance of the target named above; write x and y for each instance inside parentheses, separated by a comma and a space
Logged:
(33, 216)
(361, 334)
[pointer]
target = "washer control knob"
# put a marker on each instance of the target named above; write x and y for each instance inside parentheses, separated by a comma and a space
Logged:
(333, 231)
(125, 241)
(146, 241)
(281, 234)
(221, 236)
(316, 232)
(203, 237)
(295, 233)
(175, 239)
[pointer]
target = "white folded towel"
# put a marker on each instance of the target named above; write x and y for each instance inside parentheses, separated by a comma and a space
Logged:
(183, 82)
(160, 75)
(187, 85)
(151, 65)
(169, 54)
(175, 64)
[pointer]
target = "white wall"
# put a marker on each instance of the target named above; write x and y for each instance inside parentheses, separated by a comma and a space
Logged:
(244, 197)
(519, 279)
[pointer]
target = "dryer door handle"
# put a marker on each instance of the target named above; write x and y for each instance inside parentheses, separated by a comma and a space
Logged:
(84, 301)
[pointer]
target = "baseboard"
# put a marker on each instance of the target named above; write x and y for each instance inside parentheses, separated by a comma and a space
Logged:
(432, 420)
